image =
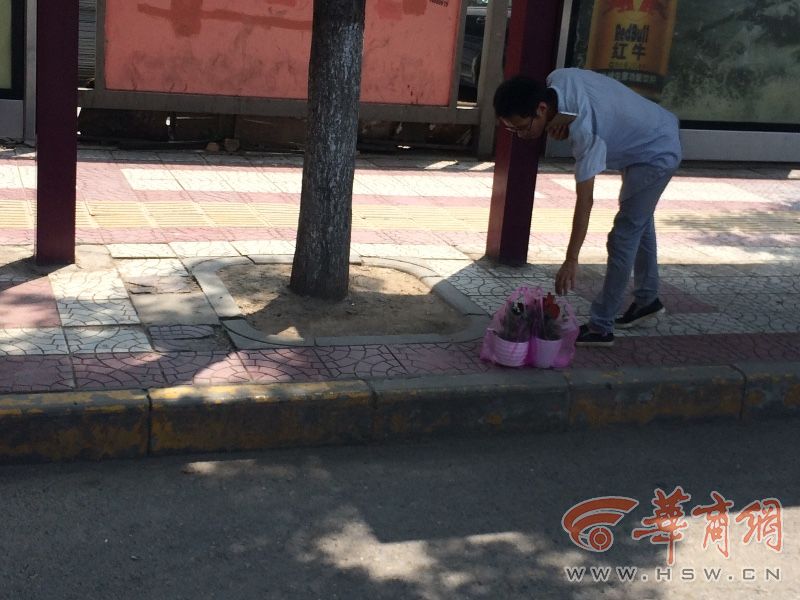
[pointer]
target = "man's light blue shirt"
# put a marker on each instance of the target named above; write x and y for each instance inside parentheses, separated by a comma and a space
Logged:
(614, 127)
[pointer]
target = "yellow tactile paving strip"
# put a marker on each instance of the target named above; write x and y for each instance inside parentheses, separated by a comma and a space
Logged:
(21, 215)
(225, 214)
(118, 214)
(276, 215)
(16, 215)
(178, 214)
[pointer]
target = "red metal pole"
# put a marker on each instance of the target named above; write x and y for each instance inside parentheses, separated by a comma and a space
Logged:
(531, 50)
(56, 130)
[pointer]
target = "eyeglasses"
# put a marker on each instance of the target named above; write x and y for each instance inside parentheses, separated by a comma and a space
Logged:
(520, 130)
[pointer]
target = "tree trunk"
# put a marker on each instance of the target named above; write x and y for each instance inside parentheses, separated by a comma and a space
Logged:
(322, 260)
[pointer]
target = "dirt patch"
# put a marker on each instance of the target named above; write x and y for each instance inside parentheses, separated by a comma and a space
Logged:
(381, 302)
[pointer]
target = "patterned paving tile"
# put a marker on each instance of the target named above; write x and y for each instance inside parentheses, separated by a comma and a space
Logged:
(161, 285)
(580, 305)
(290, 182)
(141, 251)
(232, 215)
(670, 325)
(17, 236)
(407, 251)
(22, 342)
(249, 181)
(201, 338)
(193, 234)
(27, 374)
(151, 180)
(155, 267)
(73, 284)
(196, 249)
(692, 350)
(783, 323)
(10, 177)
(286, 234)
(430, 359)
(674, 293)
(256, 247)
(623, 353)
(284, 365)
(233, 201)
(133, 235)
(97, 340)
(473, 351)
(706, 271)
(365, 236)
(489, 303)
(459, 238)
(202, 180)
(25, 304)
(536, 271)
(270, 198)
(118, 371)
(349, 362)
(493, 286)
(418, 237)
(84, 235)
(454, 267)
(116, 311)
(203, 368)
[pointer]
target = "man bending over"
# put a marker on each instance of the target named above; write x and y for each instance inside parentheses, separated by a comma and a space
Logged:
(608, 127)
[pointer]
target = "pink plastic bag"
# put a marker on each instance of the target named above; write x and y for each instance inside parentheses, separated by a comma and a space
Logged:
(569, 334)
(513, 331)
(511, 324)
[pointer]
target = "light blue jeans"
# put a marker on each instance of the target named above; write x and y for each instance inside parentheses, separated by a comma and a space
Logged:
(631, 245)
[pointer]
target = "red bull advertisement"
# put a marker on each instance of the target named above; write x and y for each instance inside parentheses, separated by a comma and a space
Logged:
(630, 40)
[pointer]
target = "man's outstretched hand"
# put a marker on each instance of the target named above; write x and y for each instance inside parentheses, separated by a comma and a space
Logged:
(566, 276)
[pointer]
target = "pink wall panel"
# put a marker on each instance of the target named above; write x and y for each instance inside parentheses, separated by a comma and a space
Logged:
(260, 48)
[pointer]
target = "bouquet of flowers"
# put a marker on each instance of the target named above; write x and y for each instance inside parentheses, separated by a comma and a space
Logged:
(516, 321)
(531, 328)
(549, 323)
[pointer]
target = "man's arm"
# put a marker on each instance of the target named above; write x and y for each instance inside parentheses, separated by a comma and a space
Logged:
(565, 279)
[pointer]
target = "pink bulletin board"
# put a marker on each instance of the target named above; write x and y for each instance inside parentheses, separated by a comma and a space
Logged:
(260, 48)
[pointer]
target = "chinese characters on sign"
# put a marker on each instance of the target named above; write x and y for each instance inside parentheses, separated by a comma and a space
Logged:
(589, 523)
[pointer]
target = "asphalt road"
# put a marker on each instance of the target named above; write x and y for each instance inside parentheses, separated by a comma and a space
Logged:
(454, 518)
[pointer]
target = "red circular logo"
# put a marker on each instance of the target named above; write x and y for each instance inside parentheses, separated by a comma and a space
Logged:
(601, 538)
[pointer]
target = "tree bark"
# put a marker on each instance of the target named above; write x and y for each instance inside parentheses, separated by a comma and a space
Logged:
(322, 260)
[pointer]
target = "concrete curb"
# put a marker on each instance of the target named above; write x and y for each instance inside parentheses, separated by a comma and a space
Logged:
(246, 337)
(74, 425)
(93, 426)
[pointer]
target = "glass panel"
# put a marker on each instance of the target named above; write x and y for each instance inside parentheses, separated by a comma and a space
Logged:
(5, 44)
(706, 60)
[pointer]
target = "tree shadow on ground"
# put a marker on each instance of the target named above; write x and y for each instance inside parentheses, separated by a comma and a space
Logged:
(475, 518)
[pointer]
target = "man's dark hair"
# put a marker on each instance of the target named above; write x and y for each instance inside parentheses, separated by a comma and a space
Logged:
(520, 96)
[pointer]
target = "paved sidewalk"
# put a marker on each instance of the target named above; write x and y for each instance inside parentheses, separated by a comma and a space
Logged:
(142, 308)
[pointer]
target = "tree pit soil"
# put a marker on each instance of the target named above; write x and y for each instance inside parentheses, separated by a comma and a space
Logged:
(381, 301)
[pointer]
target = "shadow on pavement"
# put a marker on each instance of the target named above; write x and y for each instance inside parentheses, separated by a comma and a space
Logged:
(455, 518)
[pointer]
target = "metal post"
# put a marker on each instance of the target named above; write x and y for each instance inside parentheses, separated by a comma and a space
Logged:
(29, 128)
(56, 121)
(532, 48)
(491, 72)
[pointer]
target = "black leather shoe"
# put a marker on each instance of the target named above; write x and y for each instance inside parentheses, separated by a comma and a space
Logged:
(587, 337)
(637, 315)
